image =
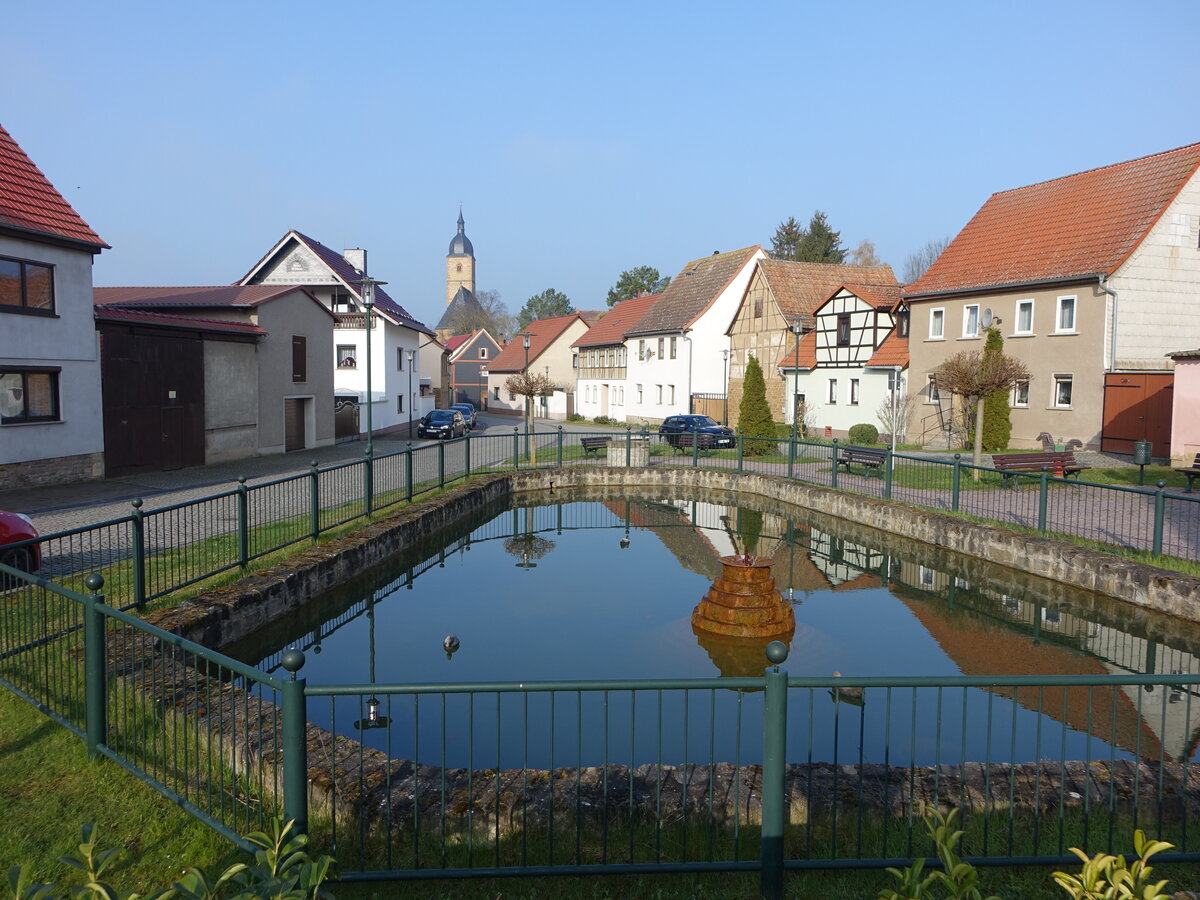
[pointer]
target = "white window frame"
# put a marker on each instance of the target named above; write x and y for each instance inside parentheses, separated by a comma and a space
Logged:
(831, 391)
(641, 351)
(854, 392)
(671, 394)
(639, 395)
(483, 352)
(662, 347)
(1017, 329)
(1019, 389)
(658, 392)
(1058, 314)
(967, 311)
(673, 346)
(937, 317)
(1057, 381)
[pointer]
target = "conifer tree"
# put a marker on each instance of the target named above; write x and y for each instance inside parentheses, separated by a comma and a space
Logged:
(997, 422)
(754, 415)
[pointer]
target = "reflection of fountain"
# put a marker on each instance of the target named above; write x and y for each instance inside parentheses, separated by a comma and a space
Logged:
(742, 613)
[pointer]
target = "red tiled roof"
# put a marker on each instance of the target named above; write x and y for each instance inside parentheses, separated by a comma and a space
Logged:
(806, 353)
(892, 352)
(233, 296)
(456, 340)
(881, 296)
(693, 291)
(148, 317)
(1082, 225)
(611, 329)
(800, 287)
(29, 201)
(543, 333)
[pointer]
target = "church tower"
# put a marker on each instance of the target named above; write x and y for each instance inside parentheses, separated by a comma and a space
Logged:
(460, 264)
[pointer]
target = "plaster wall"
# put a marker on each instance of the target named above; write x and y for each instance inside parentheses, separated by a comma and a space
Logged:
(294, 314)
(1185, 415)
(230, 400)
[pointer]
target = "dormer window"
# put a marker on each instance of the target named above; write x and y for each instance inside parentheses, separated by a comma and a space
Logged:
(902, 323)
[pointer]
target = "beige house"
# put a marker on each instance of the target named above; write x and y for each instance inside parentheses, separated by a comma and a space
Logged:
(549, 353)
(1093, 279)
(779, 294)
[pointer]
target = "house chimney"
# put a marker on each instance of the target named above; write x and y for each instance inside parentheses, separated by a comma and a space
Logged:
(357, 258)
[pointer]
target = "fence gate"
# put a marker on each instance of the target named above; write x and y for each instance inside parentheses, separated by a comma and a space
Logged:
(710, 405)
(1137, 407)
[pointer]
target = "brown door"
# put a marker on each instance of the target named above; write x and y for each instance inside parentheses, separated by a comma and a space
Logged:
(1137, 407)
(173, 423)
(293, 425)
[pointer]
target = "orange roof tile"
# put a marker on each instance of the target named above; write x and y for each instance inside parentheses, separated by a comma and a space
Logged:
(892, 352)
(543, 333)
(28, 200)
(693, 291)
(1082, 225)
(800, 287)
(612, 327)
(806, 353)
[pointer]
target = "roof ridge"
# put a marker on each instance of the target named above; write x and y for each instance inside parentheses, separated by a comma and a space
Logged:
(1094, 169)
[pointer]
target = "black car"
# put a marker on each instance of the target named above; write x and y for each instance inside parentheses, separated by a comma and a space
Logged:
(676, 425)
(442, 423)
(468, 413)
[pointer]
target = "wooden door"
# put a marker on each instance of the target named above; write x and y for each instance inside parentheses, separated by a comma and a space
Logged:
(1137, 407)
(293, 425)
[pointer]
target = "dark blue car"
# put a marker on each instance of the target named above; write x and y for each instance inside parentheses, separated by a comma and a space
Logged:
(673, 426)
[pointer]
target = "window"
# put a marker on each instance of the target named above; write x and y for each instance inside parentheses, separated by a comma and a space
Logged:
(483, 352)
(937, 324)
(639, 392)
(843, 330)
(1024, 317)
(831, 393)
(673, 340)
(758, 304)
(399, 359)
(932, 390)
(854, 392)
(659, 386)
(641, 350)
(621, 394)
(671, 394)
(26, 287)
(971, 321)
(926, 577)
(28, 395)
(575, 360)
(1065, 320)
(1062, 391)
(299, 358)
(1020, 394)
(345, 356)
(902, 318)
(497, 393)
(662, 345)
(341, 302)
(399, 403)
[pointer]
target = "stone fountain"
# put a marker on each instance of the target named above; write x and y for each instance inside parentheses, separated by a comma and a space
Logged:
(742, 613)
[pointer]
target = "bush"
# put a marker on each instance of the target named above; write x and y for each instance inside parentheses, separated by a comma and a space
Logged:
(864, 434)
(576, 417)
(997, 414)
(604, 420)
(754, 416)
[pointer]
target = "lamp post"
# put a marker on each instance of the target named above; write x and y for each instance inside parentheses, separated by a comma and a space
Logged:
(895, 399)
(373, 719)
(725, 383)
(796, 327)
(411, 355)
(525, 336)
(368, 301)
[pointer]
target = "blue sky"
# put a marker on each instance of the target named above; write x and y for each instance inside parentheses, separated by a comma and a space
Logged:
(582, 140)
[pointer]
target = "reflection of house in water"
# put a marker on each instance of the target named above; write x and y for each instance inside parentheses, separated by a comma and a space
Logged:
(846, 565)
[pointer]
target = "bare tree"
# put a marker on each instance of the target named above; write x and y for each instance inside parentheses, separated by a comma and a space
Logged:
(864, 255)
(488, 311)
(975, 376)
(892, 413)
(919, 262)
(530, 385)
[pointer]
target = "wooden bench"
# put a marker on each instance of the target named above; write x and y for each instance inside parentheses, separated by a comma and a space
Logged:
(687, 440)
(863, 456)
(1060, 463)
(592, 444)
(1191, 473)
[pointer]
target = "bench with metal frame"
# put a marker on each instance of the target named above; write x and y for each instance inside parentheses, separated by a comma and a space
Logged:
(1191, 473)
(863, 456)
(687, 440)
(1059, 463)
(591, 445)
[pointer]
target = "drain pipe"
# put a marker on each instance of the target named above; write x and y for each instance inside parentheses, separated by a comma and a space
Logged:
(1112, 362)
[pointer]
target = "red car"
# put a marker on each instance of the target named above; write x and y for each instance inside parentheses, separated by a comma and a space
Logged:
(15, 527)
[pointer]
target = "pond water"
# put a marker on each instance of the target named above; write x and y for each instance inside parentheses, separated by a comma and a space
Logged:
(579, 589)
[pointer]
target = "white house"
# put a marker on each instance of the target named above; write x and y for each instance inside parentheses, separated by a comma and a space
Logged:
(676, 351)
(549, 353)
(51, 427)
(336, 279)
(601, 361)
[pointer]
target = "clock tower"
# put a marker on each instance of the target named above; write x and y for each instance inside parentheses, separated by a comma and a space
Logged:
(460, 263)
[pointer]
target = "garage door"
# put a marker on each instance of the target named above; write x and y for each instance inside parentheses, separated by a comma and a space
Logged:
(293, 425)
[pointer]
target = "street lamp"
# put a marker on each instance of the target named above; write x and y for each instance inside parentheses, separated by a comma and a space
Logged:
(525, 336)
(411, 355)
(797, 327)
(368, 301)
(373, 719)
(725, 388)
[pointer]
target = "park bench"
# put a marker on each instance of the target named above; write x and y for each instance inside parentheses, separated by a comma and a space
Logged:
(688, 440)
(592, 444)
(1059, 463)
(1191, 473)
(862, 456)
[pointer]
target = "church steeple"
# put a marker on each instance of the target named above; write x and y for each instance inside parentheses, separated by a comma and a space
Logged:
(460, 262)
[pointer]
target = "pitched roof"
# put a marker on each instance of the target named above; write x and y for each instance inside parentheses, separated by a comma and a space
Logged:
(881, 296)
(892, 352)
(231, 296)
(1082, 225)
(29, 202)
(462, 299)
(543, 333)
(170, 320)
(693, 291)
(612, 327)
(800, 287)
(349, 276)
(805, 352)
(456, 340)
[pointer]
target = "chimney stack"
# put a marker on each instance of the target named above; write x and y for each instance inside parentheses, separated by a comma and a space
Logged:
(357, 258)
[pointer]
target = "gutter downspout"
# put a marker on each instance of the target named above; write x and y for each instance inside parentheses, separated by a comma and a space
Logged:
(1112, 363)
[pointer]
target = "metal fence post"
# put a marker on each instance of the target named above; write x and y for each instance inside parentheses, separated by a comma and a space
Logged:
(369, 483)
(833, 468)
(628, 446)
(243, 509)
(696, 449)
(137, 521)
(95, 666)
(408, 473)
(888, 462)
(956, 482)
(791, 456)
(1043, 489)
(560, 446)
(741, 454)
(441, 464)
(467, 451)
(1160, 505)
(295, 743)
(516, 446)
(774, 767)
(314, 501)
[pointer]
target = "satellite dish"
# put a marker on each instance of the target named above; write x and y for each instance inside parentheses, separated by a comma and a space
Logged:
(987, 317)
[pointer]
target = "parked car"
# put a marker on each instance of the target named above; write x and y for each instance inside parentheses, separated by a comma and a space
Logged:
(673, 426)
(442, 423)
(14, 528)
(468, 413)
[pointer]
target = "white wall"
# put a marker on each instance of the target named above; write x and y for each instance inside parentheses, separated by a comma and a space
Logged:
(841, 416)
